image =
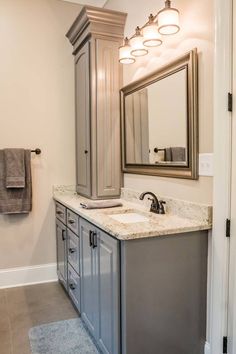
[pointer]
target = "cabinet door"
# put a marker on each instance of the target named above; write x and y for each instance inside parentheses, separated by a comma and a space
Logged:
(108, 118)
(73, 250)
(61, 252)
(109, 308)
(89, 278)
(74, 286)
(82, 106)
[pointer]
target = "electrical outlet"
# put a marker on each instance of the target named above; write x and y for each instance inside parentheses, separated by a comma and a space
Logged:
(206, 167)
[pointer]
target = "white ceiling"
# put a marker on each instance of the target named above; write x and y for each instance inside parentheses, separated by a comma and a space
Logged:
(98, 3)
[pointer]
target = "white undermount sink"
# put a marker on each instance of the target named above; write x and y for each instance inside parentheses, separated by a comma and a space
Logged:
(129, 218)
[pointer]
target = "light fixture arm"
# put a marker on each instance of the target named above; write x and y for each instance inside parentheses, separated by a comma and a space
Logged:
(167, 4)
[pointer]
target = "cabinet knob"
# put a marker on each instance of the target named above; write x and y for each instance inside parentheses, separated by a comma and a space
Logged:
(85, 151)
(71, 221)
(72, 250)
(59, 212)
(72, 286)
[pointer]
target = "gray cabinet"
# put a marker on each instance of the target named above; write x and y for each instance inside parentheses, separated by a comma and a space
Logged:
(96, 35)
(100, 286)
(152, 289)
(61, 239)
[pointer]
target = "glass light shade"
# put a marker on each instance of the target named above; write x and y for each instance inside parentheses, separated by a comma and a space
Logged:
(151, 35)
(125, 56)
(136, 42)
(168, 20)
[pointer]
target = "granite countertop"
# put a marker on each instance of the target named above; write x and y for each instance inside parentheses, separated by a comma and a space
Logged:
(174, 221)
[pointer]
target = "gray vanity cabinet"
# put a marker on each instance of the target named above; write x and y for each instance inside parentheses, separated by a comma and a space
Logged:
(61, 239)
(96, 36)
(100, 286)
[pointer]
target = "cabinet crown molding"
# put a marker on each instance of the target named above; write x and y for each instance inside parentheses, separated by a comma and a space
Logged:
(94, 20)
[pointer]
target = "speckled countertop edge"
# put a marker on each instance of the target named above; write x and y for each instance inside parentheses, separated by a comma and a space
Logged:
(158, 225)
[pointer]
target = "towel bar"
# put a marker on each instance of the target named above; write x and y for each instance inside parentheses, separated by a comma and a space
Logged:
(37, 151)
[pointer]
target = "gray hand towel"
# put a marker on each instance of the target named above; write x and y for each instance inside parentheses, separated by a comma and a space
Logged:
(101, 204)
(15, 168)
(16, 200)
(178, 154)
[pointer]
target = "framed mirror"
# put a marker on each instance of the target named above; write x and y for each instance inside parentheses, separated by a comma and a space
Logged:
(159, 116)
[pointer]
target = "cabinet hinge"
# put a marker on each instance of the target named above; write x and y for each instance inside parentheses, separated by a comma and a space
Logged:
(230, 102)
(225, 345)
(228, 227)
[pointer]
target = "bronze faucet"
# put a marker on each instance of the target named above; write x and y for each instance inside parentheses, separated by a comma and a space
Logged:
(157, 206)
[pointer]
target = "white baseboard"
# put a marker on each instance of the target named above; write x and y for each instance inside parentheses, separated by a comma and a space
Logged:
(20, 276)
(207, 348)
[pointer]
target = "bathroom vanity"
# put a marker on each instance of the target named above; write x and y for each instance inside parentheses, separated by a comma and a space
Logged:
(138, 279)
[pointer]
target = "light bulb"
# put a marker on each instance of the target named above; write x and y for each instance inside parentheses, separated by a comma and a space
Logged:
(136, 42)
(168, 19)
(151, 35)
(125, 56)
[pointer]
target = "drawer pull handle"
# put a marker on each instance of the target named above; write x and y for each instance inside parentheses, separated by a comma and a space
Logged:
(72, 250)
(95, 240)
(63, 235)
(59, 212)
(90, 238)
(86, 151)
(71, 221)
(72, 286)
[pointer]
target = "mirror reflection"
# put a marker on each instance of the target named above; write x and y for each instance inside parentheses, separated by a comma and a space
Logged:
(156, 126)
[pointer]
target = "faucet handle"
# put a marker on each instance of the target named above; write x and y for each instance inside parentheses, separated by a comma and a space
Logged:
(161, 207)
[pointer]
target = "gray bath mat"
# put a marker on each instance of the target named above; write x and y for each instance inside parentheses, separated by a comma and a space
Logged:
(64, 337)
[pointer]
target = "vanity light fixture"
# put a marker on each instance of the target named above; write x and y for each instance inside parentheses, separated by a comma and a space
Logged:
(151, 35)
(168, 19)
(165, 22)
(125, 56)
(136, 42)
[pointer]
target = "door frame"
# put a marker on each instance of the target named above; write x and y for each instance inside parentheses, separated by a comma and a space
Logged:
(222, 175)
(232, 260)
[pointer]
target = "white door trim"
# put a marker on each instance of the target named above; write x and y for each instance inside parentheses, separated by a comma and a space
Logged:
(232, 268)
(222, 173)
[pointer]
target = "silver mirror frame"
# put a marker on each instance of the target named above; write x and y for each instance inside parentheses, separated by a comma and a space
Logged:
(189, 171)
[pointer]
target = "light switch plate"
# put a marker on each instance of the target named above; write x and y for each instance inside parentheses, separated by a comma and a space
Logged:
(206, 165)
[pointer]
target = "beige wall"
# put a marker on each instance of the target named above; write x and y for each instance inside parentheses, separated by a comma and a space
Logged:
(36, 110)
(197, 26)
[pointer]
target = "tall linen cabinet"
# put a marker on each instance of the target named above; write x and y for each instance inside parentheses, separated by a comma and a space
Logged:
(96, 35)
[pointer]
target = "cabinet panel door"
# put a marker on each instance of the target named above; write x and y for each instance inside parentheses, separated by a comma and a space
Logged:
(82, 105)
(89, 279)
(108, 118)
(61, 252)
(73, 250)
(109, 308)
(74, 287)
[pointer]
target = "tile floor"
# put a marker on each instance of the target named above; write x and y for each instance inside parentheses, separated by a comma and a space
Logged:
(24, 307)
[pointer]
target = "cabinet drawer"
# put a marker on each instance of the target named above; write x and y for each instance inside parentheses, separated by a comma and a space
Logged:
(61, 212)
(73, 250)
(74, 286)
(73, 221)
